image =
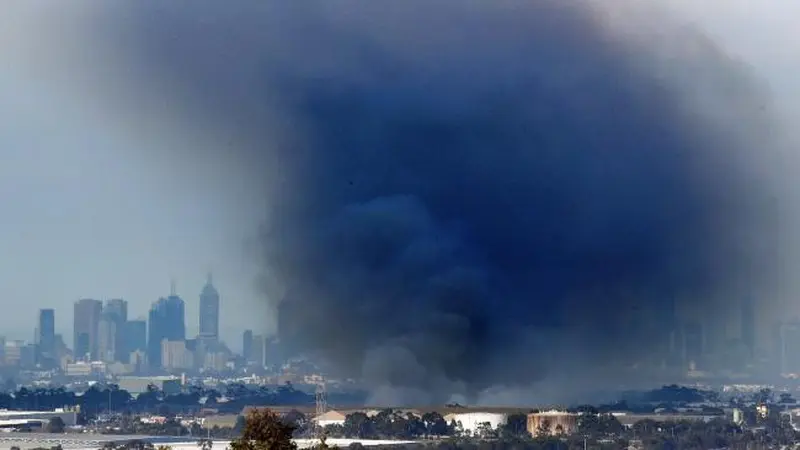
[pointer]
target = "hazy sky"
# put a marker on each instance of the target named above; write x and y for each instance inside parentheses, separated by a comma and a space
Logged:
(96, 203)
(86, 216)
(90, 208)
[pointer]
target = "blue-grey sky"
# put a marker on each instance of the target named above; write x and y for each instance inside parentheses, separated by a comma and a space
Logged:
(96, 203)
(112, 182)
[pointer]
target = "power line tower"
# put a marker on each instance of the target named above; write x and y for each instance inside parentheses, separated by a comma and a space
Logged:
(321, 398)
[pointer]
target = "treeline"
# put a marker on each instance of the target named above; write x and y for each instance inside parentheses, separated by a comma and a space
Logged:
(597, 431)
(99, 399)
(265, 429)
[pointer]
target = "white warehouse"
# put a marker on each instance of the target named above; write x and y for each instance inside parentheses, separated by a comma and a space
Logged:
(35, 419)
(474, 421)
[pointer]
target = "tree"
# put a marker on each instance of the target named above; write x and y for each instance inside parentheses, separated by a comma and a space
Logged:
(359, 425)
(322, 445)
(238, 427)
(485, 431)
(205, 444)
(516, 426)
(264, 430)
(136, 445)
(56, 425)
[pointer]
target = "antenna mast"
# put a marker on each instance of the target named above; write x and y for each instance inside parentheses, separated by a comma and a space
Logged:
(321, 398)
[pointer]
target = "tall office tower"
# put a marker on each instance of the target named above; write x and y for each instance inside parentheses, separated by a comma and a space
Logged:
(116, 310)
(258, 350)
(748, 326)
(247, 344)
(46, 336)
(27, 356)
(134, 338)
(86, 322)
(107, 338)
(167, 322)
(273, 351)
(209, 312)
(175, 355)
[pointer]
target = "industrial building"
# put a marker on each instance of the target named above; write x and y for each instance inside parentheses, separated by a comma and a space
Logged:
(35, 419)
(329, 418)
(552, 423)
(138, 385)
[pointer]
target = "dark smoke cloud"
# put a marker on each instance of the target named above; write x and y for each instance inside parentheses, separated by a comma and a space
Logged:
(464, 196)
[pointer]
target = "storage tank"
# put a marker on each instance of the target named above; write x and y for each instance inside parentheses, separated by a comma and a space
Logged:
(552, 422)
(472, 422)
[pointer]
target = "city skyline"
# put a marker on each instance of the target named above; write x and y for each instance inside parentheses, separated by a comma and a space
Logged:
(64, 317)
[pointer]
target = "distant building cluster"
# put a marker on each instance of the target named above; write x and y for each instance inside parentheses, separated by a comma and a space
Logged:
(106, 340)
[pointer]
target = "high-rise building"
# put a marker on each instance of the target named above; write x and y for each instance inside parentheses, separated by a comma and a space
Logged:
(167, 322)
(209, 311)
(175, 355)
(258, 350)
(46, 335)
(273, 351)
(86, 323)
(116, 311)
(134, 338)
(107, 338)
(247, 344)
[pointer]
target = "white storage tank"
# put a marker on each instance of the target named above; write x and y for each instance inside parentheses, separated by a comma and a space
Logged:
(474, 421)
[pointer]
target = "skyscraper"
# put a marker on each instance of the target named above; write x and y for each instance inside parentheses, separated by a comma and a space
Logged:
(134, 338)
(167, 321)
(86, 322)
(116, 311)
(209, 312)
(258, 350)
(46, 336)
(247, 344)
(107, 338)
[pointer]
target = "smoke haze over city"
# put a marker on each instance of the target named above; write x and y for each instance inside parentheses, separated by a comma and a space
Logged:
(448, 200)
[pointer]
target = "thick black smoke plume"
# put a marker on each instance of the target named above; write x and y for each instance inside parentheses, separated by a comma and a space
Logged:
(471, 195)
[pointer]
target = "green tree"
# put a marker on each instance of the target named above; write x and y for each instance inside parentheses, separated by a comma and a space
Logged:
(515, 427)
(359, 425)
(435, 425)
(264, 430)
